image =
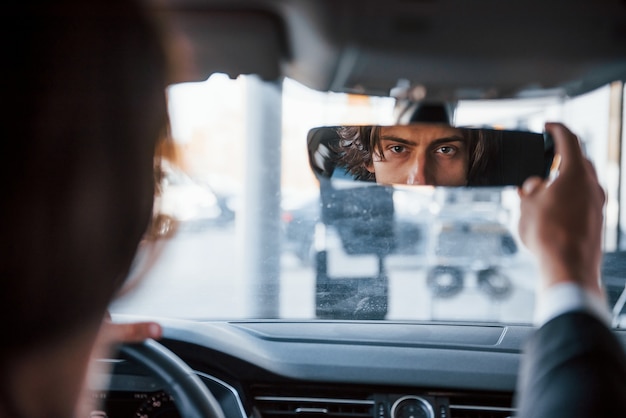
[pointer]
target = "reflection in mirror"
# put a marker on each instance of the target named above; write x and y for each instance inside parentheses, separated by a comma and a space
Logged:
(456, 242)
(457, 237)
(428, 154)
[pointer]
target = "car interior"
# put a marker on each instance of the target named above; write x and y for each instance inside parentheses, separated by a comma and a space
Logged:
(310, 293)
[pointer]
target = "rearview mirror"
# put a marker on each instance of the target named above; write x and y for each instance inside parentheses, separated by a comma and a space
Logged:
(429, 154)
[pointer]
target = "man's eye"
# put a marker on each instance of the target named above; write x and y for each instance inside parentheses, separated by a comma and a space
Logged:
(397, 149)
(447, 150)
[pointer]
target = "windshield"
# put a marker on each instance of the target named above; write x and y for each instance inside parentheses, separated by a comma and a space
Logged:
(251, 240)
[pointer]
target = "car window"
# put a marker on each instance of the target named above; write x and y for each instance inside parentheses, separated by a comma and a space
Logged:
(438, 254)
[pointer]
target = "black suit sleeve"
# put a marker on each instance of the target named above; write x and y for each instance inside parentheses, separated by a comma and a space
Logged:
(573, 367)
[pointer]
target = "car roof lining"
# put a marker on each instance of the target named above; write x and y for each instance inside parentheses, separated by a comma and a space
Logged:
(454, 49)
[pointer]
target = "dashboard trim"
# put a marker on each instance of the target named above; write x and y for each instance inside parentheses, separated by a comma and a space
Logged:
(228, 387)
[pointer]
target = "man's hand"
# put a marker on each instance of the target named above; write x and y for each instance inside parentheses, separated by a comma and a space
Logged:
(561, 220)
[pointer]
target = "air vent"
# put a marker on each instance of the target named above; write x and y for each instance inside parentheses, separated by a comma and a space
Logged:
(466, 411)
(481, 406)
(303, 407)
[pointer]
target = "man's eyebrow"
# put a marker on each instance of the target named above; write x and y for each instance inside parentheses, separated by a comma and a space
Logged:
(397, 139)
(440, 141)
(437, 141)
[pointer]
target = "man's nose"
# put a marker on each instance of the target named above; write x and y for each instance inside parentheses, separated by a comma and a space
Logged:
(417, 172)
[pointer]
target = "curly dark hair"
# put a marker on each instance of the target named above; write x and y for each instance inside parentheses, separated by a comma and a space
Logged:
(353, 149)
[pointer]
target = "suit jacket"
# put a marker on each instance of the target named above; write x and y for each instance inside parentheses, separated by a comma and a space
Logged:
(573, 367)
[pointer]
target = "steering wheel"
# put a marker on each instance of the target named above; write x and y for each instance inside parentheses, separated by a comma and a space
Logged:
(192, 397)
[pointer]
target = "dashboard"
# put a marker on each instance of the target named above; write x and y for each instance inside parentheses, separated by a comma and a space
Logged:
(334, 369)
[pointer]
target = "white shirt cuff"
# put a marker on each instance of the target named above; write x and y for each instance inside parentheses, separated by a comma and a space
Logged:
(567, 297)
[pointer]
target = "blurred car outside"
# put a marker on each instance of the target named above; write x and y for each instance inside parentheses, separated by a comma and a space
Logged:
(227, 191)
(299, 215)
(192, 204)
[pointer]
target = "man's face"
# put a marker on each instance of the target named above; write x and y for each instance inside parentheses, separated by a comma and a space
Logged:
(425, 154)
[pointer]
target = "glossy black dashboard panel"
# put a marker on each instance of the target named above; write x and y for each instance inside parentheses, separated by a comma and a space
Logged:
(316, 369)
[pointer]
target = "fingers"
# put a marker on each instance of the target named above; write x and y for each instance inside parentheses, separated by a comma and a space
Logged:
(112, 334)
(591, 170)
(135, 332)
(566, 144)
(530, 186)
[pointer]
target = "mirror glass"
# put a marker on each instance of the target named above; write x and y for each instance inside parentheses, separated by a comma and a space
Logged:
(428, 154)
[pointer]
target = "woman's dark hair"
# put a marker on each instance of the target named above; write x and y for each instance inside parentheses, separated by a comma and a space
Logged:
(356, 144)
(83, 105)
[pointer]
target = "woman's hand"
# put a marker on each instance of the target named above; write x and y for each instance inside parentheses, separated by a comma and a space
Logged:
(111, 335)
